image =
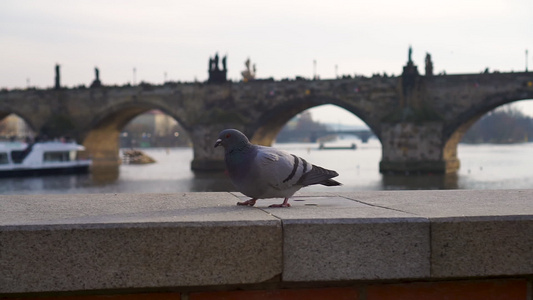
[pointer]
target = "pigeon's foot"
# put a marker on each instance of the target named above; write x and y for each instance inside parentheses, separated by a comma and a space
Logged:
(284, 204)
(250, 202)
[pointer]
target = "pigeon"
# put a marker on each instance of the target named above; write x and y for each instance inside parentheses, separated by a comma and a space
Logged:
(264, 172)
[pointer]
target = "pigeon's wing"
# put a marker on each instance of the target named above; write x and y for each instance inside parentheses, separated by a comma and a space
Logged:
(279, 169)
(319, 175)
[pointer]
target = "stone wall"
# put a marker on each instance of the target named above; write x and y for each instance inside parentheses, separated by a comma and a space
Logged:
(364, 245)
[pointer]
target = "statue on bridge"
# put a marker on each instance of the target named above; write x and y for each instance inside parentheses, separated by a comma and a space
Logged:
(224, 63)
(248, 74)
(409, 75)
(96, 82)
(216, 75)
(58, 78)
(429, 65)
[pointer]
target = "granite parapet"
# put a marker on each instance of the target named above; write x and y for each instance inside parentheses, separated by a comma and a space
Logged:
(83, 243)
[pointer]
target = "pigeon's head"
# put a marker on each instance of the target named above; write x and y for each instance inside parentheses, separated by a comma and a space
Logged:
(231, 138)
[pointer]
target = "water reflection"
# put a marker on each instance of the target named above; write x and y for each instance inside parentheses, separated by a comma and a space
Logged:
(420, 181)
(211, 182)
(102, 175)
(45, 184)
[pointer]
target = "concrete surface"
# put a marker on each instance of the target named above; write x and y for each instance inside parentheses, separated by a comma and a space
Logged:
(474, 232)
(118, 241)
(334, 238)
(58, 243)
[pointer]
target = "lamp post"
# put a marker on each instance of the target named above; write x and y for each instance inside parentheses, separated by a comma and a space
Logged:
(526, 60)
(314, 69)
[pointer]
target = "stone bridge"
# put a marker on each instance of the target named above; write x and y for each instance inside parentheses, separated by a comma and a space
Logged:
(418, 119)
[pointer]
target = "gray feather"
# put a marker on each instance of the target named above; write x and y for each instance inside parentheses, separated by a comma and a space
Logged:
(319, 175)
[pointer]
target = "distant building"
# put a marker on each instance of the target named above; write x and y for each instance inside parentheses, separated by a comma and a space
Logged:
(163, 125)
(153, 129)
(14, 126)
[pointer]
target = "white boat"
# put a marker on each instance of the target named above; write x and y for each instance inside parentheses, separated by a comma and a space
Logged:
(19, 159)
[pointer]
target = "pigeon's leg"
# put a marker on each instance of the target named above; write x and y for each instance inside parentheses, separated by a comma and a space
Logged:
(284, 204)
(250, 202)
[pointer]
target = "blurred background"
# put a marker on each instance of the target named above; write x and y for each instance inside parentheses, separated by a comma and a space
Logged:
(157, 42)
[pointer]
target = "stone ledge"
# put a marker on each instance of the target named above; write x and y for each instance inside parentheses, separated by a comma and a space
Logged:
(65, 243)
(128, 241)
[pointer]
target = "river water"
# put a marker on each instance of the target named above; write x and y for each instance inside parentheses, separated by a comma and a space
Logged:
(483, 166)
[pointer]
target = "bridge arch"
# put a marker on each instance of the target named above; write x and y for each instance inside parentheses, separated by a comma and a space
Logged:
(102, 137)
(6, 112)
(455, 130)
(267, 127)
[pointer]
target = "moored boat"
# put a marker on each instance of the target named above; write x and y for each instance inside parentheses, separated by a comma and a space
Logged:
(323, 147)
(21, 159)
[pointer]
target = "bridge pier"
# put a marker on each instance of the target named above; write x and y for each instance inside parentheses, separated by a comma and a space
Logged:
(206, 156)
(417, 147)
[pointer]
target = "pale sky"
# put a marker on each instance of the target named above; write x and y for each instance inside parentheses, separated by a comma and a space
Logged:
(281, 37)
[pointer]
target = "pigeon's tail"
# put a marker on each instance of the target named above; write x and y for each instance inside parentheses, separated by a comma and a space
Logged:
(330, 182)
(319, 175)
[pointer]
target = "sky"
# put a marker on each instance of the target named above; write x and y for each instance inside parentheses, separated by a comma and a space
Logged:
(173, 40)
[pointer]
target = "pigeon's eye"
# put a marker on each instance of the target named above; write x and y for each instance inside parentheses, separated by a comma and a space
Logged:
(228, 135)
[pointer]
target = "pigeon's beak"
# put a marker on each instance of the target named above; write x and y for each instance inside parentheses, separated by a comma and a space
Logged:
(218, 143)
